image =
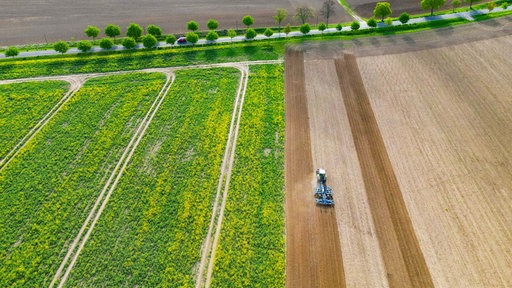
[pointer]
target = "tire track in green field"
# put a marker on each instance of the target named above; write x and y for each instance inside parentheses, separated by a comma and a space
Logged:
(47, 189)
(111, 183)
(75, 84)
(151, 230)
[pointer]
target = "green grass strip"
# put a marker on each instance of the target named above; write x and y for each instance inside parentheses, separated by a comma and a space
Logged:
(151, 231)
(251, 251)
(49, 188)
(135, 60)
(23, 105)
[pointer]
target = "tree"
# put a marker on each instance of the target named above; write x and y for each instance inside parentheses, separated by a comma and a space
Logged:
(170, 39)
(11, 52)
(212, 24)
(192, 26)
(467, 1)
(134, 31)
(382, 9)
(287, 29)
(84, 45)
(355, 25)
(404, 17)
(106, 43)
(433, 4)
(322, 26)
(212, 36)
(92, 31)
(279, 17)
(491, 6)
(192, 37)
(247, 20)
(305, 28)
(389, 21)
(61, 47)
(231, 34)
(149, 41)
(327, 10)
(339, 27)
(303, 13)
(154, 30)
(112, 31)
(456, 4)
(129, 43)
(250, 33)
(372, 22)
(268, 32)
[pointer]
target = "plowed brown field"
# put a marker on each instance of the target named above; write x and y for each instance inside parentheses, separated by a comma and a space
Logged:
(417, 150)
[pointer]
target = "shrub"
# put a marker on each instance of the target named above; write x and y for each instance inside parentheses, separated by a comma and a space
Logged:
(504, 5)
(268, 32)
(92, 31)
(250, 33)
(287, 29)
(372, 22)
(192, 37)
(154, 30)
(339, 27)
(170, 39)
(112, 30)
(192, 26)
(84, 45)
(212, 24)
(11, 52)
(106, 43)
(404, 18)
(247, 20)
(389, 21)
(305, 28)
(149, 41)
(355, 25)
(231, 34)
(61, 47)
(322, 26)
(212, 36)
(134, 31)
(129, 43)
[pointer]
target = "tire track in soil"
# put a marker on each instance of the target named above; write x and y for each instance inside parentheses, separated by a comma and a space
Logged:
(313, 252)
(210, 243)
(102, 200)
(76, 83)
(402, 255)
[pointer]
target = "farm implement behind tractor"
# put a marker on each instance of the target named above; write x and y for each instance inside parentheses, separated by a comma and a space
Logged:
(323, 193)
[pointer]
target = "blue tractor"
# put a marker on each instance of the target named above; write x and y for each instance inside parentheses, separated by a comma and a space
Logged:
(323, 193)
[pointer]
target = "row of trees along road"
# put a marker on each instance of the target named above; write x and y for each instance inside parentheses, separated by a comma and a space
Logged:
(302, 14)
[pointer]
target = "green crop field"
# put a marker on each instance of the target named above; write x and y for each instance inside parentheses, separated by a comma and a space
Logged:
(151, 231)
(48, 188)
(23, 105)
(251, 250)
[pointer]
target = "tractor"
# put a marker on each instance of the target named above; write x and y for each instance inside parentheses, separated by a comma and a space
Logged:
(322, 192)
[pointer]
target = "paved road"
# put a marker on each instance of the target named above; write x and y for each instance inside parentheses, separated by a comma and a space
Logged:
(467, 15)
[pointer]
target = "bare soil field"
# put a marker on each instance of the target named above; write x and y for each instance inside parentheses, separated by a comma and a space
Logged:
(416, 142)
(36, 21)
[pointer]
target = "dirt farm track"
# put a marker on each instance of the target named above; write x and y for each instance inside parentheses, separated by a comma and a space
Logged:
(414, 132)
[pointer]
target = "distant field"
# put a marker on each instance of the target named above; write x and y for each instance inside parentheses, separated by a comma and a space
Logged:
(35, 21)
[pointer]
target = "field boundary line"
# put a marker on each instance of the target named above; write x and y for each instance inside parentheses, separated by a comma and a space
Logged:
(101, 201)
(76, 83)
(210, 244)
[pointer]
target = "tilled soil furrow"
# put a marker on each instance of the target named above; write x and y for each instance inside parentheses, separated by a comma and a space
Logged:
(402, 255)
(313, 253)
